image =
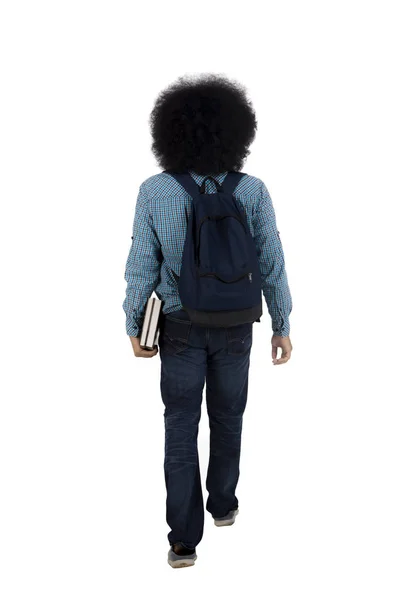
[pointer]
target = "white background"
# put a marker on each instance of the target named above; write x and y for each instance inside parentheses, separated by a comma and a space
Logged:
(83, 500)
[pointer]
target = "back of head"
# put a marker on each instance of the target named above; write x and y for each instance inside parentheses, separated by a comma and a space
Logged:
(205, 124)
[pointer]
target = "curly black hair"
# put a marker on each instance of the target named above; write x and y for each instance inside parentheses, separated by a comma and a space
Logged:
(204, 123)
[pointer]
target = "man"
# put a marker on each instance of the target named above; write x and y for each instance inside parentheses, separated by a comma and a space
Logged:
(203, 127)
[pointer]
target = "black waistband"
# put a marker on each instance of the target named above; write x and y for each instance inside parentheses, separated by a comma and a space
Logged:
(221, 318)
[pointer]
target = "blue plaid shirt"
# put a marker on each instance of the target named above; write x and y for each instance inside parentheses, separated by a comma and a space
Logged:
(159, 231)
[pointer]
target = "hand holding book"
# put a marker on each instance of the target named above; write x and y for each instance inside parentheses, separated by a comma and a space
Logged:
(141, 352)
(145, 346)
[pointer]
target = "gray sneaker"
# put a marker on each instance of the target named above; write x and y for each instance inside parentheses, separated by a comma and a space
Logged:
(229, 519)
(177, 561)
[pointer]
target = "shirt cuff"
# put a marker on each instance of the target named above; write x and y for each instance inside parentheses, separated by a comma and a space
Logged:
(282, 329)
(132, 328)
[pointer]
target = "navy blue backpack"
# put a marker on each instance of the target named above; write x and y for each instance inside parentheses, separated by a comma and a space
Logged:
(220, 282)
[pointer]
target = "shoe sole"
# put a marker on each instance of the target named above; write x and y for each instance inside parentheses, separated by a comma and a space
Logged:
(183, 562)
(227, 522)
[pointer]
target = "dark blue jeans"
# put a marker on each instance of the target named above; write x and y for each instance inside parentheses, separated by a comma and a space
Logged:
(191, 355)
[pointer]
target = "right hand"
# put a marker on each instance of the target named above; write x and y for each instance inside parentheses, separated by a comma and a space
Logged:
(285, 345)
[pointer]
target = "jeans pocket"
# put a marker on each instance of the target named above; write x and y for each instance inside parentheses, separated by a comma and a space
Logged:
(239, 338)
(174, 336)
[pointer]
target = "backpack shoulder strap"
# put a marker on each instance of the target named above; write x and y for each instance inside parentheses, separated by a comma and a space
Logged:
(186, 181)
(231, 181)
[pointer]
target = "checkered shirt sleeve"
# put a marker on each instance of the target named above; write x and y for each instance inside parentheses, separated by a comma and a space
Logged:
(272, 264)
(142, 271)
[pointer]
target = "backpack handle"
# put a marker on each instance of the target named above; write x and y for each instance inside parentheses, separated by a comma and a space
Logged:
(190, 186)
(203, 185)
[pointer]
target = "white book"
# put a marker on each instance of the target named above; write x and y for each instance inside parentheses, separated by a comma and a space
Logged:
(151, 324)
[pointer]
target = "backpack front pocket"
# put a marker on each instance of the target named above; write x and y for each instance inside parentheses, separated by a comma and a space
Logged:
(222, 248)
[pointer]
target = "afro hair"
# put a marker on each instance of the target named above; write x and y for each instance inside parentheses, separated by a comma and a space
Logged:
(204, 123)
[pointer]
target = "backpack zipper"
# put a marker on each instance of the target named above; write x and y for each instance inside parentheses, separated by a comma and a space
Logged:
(224, 280)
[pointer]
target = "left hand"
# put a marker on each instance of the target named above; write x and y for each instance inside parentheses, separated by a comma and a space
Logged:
(141, 352)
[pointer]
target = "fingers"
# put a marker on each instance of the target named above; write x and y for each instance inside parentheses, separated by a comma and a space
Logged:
(146, 353)
(283, 359)
(140, 352)
(274, 352)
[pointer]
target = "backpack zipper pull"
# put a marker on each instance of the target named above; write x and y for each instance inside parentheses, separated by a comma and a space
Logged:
(250, 277)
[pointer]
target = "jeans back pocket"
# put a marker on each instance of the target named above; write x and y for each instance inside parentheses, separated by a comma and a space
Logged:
(239, 338)
(174, 335)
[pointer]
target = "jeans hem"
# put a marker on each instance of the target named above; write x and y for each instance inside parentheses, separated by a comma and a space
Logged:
(187, 546)
(224, 515)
